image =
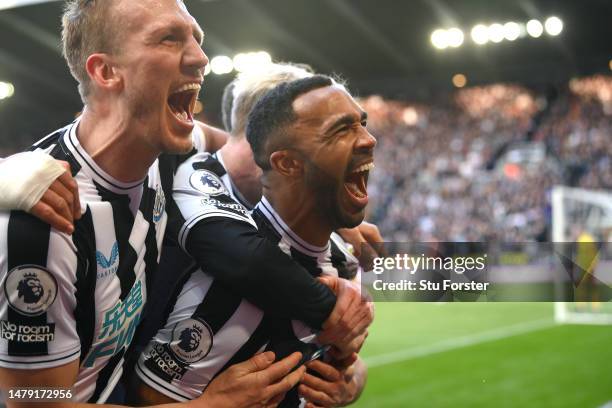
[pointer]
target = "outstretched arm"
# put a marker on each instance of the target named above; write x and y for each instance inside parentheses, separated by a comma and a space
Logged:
(257, 382)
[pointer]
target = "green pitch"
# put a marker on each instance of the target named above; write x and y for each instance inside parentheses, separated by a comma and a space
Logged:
(484, 355)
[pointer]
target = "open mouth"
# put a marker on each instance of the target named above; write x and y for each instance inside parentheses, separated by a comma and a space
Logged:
(356, 184)
(182, 102)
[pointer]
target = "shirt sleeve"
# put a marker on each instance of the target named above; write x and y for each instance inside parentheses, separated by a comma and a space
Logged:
(206, 330)
(220, 234)
(259, 271)
(37, 302)
(199, 193)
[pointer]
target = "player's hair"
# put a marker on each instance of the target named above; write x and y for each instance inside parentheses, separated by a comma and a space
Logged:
(242, 93)
(227, 101)
(87, 28)
(273, 112)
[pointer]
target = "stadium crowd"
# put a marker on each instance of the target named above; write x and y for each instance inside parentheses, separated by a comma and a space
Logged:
(481, 167)
(443, 167)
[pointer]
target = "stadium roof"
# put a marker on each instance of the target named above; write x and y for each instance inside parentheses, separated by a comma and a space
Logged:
(378, 46)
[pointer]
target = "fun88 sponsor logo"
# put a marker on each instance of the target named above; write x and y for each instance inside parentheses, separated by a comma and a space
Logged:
(118, 327)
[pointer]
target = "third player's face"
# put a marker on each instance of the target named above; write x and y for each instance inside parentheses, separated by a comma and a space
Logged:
(337, 151)
(161, 64)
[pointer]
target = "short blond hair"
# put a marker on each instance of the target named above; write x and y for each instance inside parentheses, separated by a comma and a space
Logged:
(249, 87)
(86, 29)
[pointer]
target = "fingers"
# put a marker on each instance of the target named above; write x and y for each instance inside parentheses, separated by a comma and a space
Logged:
(65, 194)
(358, 315)
(53, 210)
(373, 236)
(350, 317)
(343, 363)
(281, 368)
(257, 363)
(329, 372)
(335, 327)
(315, 383)
(285, 384)
(360, 318)
(370, 233)
(330, 281)
(315, 396)
(70, 184)
(275, 401)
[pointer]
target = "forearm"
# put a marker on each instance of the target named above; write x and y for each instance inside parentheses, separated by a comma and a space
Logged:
(358, 381)
(258, 270)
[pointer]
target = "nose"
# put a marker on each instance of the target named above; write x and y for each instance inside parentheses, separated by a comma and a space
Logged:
(366, 141)
(195, 58)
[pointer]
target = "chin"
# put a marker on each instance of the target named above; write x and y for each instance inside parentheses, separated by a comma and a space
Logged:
(350, 220)
(355, 221)
(178, 145)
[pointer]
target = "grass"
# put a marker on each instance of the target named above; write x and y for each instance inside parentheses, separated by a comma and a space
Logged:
(484, 355)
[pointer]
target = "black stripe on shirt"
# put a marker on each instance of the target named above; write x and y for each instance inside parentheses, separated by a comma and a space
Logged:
(218, 306)
(104, 376)
(61, 152)
(308, 262)
(27, 244)
(84, 238)
(49, 140)
(147, 204)
(339, 261)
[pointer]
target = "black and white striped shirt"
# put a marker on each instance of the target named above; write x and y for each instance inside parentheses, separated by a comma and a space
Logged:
(81, 296)
(208, 327)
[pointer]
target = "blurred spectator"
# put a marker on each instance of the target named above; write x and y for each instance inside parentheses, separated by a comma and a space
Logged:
(432, 182)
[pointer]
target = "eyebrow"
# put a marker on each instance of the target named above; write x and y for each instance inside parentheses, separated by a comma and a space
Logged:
(196, 30)
(347, 119)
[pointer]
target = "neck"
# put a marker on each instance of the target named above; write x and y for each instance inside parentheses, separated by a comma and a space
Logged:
(113, 143)
(298, 210)
(241, 167)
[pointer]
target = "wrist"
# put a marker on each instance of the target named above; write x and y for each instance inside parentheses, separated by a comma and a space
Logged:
(206, 400)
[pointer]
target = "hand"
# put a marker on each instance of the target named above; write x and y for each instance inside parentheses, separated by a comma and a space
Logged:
(257, 382)
(346, 353)
(60, 205)
(337, 387)
(367, 243)
(348, 322)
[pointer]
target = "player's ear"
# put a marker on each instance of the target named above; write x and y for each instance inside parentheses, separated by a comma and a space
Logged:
(286, 163)
(102, 71)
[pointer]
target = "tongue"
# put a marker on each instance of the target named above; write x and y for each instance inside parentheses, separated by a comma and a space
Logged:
(179, 104)
(357, 179)
(362, 183)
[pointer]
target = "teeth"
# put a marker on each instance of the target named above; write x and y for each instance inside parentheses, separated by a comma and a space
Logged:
(364, 167)
(188, 87)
